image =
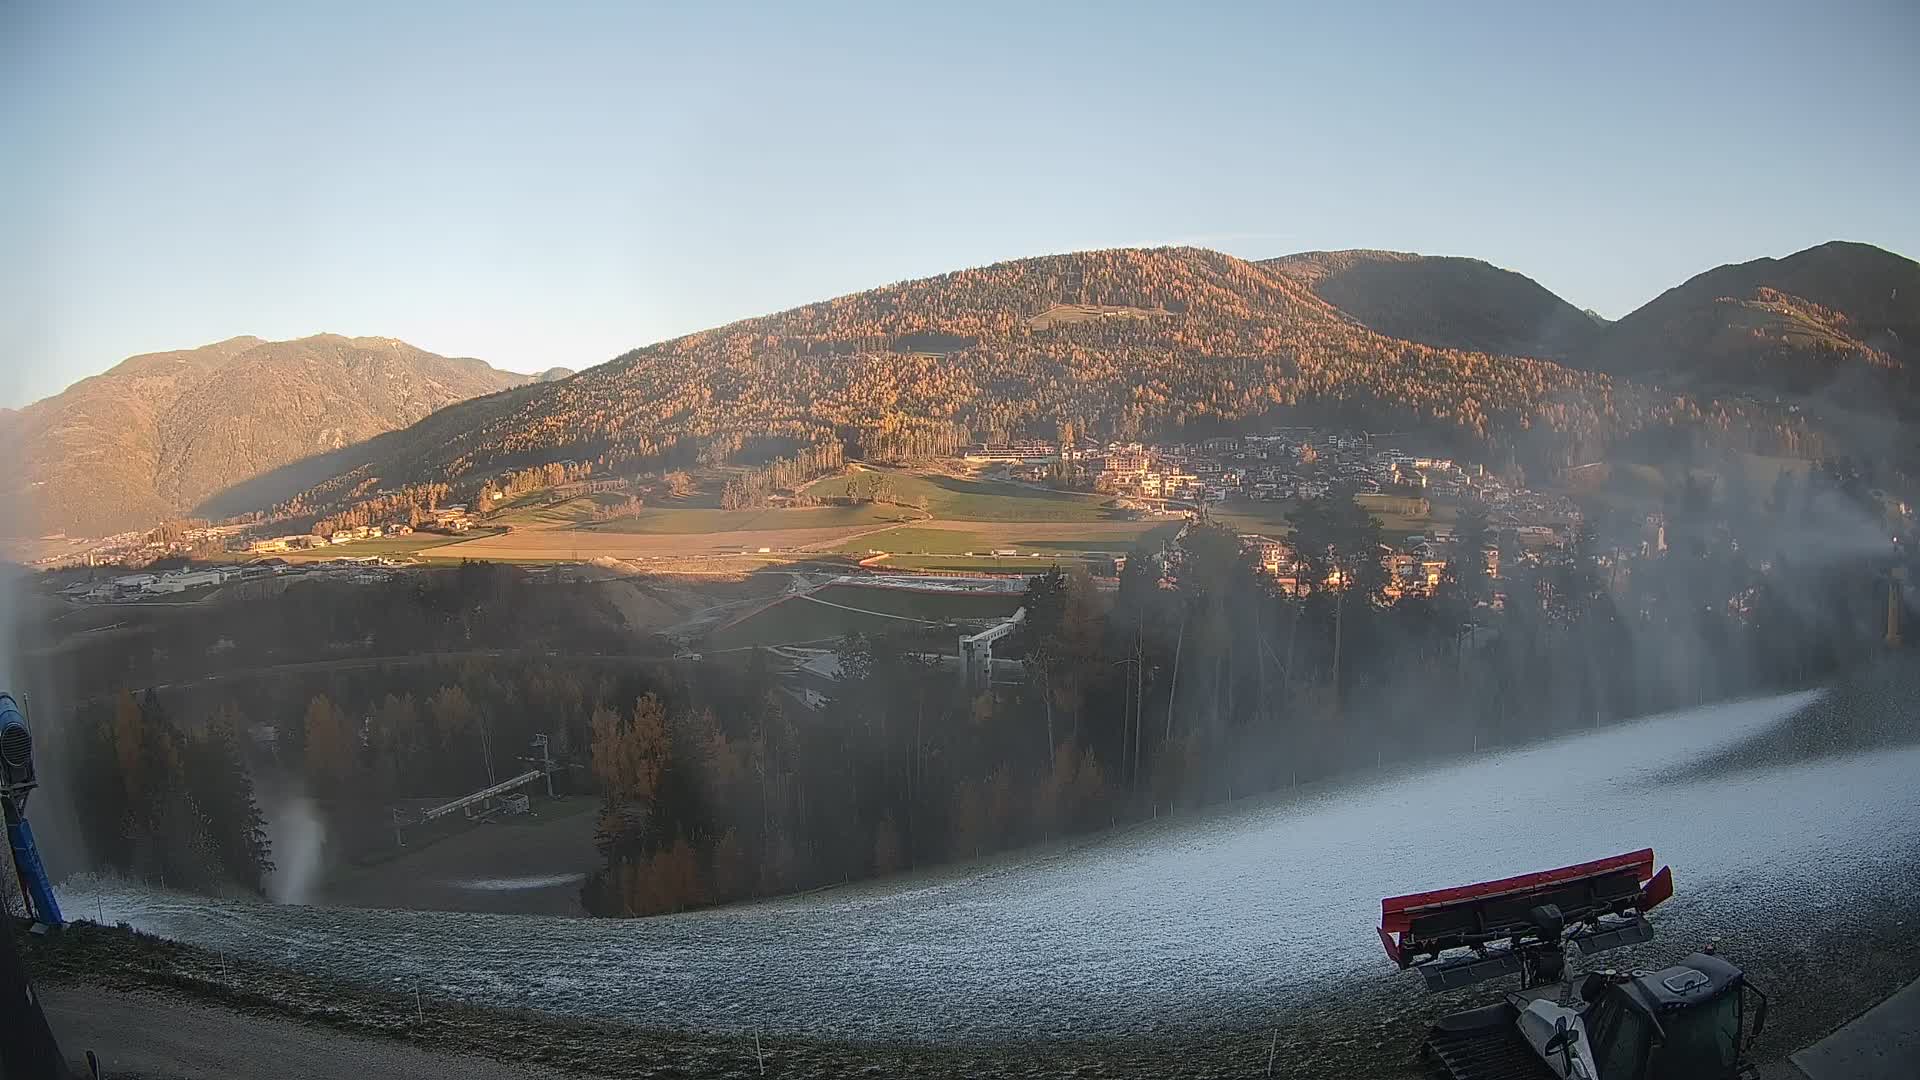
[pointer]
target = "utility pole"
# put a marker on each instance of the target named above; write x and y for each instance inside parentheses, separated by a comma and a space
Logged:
(1895, 580)
(1128, 718)
(1174, 685)
(545, 761)
(1339, 606)
(486, 749)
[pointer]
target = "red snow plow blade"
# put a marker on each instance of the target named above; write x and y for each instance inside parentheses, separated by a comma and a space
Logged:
(1472, 916)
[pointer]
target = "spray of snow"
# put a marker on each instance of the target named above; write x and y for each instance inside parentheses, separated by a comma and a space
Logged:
(299, 839)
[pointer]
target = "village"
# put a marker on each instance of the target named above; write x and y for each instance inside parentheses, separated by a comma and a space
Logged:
(1416, 496)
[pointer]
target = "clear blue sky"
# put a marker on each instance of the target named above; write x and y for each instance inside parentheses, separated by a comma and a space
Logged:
(542, 188)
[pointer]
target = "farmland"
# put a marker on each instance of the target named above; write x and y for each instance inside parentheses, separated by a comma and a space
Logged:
(922, 513)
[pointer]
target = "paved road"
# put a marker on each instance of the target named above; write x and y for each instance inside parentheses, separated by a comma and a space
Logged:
(145, 1035)
(1883, 1044)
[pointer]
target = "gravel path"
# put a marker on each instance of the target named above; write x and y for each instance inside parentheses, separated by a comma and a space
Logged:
(153, 1037)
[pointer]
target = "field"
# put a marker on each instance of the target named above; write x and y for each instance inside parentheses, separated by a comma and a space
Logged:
(960, 515)
(1270, 518)
(933, 521)
(963, 499)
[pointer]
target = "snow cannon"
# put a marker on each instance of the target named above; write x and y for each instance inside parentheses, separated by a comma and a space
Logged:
(1520, 925)
(1695, 1019)
(17, 781)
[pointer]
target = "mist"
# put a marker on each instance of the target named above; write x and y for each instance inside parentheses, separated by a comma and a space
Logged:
(299, 837)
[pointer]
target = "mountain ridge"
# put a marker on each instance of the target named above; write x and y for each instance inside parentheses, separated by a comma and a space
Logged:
(1445, 301)
(159, 433)
(1121, 342)
(1829, 319)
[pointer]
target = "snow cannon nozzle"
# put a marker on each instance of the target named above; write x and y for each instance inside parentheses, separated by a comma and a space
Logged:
(16, 747)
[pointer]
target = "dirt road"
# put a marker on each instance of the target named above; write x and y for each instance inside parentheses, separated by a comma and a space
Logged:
(145, 1035)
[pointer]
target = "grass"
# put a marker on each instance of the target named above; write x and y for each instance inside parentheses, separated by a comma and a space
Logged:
(1255, 517)
(909, 538)
(533, 509)
(1270, 518)
(960, 499)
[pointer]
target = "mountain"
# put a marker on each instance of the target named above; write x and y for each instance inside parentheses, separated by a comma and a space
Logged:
(161, 434)
(554, 374)
(1125, 342)
(1449, 303)
(1840, 320)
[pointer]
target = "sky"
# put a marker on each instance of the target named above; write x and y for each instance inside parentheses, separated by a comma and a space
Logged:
(553, 185)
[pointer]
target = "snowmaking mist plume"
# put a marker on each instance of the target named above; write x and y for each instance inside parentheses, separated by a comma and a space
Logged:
(299, 839)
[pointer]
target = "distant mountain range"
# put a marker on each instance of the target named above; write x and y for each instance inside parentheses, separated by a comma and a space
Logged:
(1122, 342)
(1447, 302)
(160, 434)
(1839, 319)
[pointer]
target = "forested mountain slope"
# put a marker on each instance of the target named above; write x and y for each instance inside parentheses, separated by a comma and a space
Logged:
(161, 433)
(1122, 342)
(1840, 319)
(1445, 302)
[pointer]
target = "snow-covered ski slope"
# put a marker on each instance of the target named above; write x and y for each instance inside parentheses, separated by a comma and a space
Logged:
(1228, 917)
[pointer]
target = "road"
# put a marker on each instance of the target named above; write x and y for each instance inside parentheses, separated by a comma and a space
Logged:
(138, 1034)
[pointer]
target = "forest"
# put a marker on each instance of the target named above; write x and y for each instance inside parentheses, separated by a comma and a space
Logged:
(1194, 681)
